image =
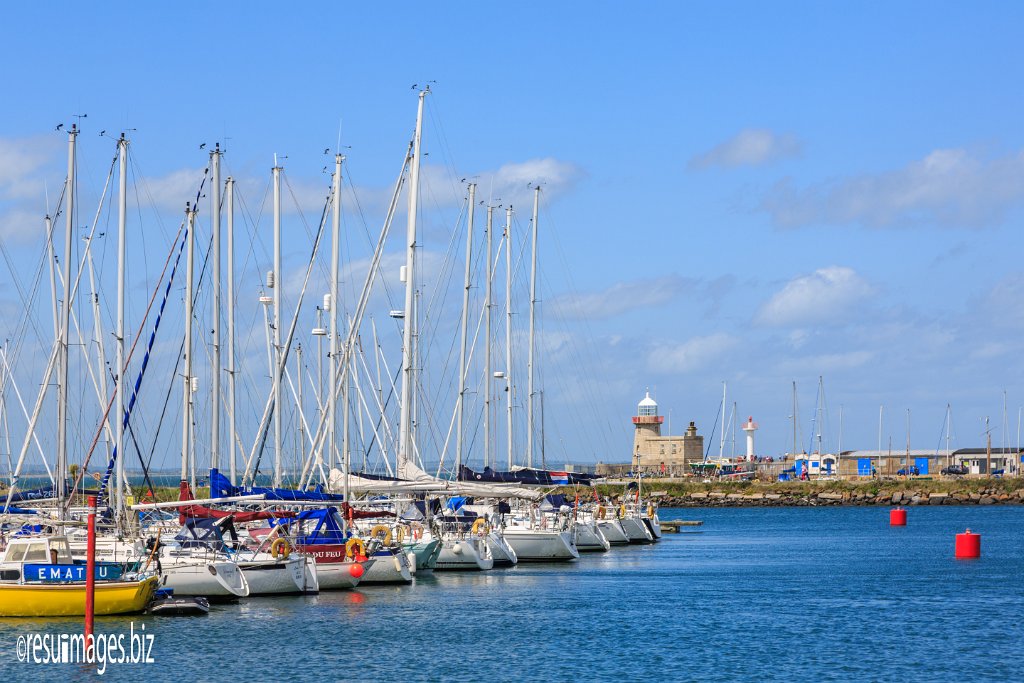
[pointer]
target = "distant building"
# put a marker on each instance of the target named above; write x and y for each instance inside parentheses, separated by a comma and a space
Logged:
(659, 454)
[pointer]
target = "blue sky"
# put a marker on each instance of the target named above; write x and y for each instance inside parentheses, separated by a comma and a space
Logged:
(756, 193)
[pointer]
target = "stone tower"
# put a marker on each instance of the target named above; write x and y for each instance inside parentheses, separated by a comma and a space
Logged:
(647, 423)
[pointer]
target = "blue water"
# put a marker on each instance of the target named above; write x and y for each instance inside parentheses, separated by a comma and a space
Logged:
(788, 594)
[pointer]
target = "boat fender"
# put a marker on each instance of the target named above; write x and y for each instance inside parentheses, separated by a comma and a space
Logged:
(383, 532)
(457, 548)
(650, 510)
(622, 510)
(280, 548)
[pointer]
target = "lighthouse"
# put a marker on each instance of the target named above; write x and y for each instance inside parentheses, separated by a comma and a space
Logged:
(750, 427)
(647, 423)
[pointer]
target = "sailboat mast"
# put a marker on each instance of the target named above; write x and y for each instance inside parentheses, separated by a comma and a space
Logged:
(62, 394)
(277, 284)
(408, 370)
(881, 409)
(467, 283)
(231, 323)
(215, 313)
(186, 406)
(508, 330)
(721, 435)
(533, 316)
(332, 372)
(794, 419)
(487, 340)
(122, 231)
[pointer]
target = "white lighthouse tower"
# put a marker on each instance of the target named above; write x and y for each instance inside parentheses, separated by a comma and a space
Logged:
(750, 427)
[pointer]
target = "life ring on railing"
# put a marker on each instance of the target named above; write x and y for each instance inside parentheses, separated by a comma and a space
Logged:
(599, 512)
(355, 548)
(480, 527)
(382, 532)
(650, 510)
(280, 549)
(417, 531)
(622, 510)
(399, 534)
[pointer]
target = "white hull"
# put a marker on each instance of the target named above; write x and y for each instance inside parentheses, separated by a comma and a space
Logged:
(590, 539)
(208, 579)
(388, 567)
(613, 531)
(297, 574)
(338, 575)
(539, 545)
(654, 526)
(636, 530)
(501, 551)
(464, 554)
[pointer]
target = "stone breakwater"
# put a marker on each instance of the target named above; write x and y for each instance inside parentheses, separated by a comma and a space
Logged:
(908, 496)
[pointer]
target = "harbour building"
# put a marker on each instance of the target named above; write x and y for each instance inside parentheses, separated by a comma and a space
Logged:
(655, 453)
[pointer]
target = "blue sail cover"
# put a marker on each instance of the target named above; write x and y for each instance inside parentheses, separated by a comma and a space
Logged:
(527, 476)
(221, 487)
(326, 528)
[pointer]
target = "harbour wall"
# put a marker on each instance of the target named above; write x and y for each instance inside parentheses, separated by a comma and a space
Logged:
(983, 491)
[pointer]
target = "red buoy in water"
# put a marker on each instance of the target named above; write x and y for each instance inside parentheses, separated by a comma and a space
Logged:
(356, 570)
(897, 517)
(968, 546)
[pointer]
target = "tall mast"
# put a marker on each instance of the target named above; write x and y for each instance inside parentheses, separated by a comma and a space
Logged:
(332, 372)
(949, 456)
(794, 419)
(62, 395)
(298, 403)
(215, 328)
(881, 409)
(508, 330)
(533, 316)
(122, 231)
(465, 328)
(408, 369)
(487, 338)
(186, 406)
(721, 436)
(231, 324)
(277, 284)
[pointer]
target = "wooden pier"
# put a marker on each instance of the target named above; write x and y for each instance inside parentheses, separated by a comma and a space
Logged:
(672, 527)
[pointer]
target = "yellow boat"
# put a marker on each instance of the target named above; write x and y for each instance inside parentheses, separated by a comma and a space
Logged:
(39, 579)
(68, 599)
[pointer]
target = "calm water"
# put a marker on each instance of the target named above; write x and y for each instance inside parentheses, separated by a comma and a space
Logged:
(799, 594)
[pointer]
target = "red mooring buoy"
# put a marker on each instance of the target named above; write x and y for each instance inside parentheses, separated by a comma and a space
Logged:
(968, 546)
(897, 517)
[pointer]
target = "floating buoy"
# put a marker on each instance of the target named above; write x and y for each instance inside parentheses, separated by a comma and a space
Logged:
(897, 517)
(968, 546)
(356, 570)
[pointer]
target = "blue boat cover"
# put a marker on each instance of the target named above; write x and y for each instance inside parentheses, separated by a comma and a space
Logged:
(221, 487)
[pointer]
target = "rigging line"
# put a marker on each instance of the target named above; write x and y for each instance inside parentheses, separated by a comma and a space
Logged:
(149, 348)
(131, 352)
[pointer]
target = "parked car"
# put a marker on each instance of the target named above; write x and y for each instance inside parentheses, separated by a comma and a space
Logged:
(954, 471)
(913, 470)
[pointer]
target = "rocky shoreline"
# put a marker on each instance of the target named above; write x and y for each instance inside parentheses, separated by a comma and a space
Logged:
(804, 499)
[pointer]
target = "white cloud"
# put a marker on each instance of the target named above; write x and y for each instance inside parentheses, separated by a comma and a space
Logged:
(829, 362)
(826, 295)
(749, 147)
(690, 355)
(620, 298)
(949, 188)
